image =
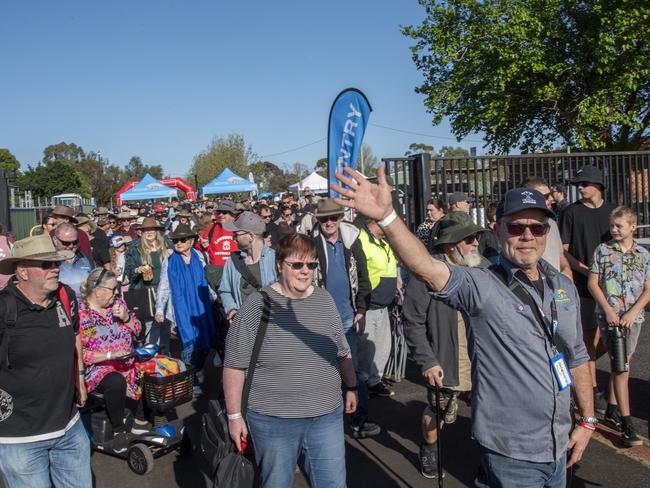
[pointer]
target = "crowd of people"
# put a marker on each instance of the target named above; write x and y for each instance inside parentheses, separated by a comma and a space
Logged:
(509, 315)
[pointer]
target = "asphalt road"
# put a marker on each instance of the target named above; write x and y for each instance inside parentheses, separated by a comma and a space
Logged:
(390, 459)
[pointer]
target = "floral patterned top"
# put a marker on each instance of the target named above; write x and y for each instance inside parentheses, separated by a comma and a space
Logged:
(622, 275)
(103, 334)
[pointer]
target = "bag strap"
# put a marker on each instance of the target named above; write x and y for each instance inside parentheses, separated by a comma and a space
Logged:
(211, 233)
(245, 273)
(259, 339)
(65, 301)
(9, 317)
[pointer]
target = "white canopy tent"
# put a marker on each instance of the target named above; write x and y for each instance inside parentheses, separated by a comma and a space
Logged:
(315, 182)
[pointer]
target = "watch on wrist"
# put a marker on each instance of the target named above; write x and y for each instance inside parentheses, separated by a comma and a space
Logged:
(352, 388)
(589, 420)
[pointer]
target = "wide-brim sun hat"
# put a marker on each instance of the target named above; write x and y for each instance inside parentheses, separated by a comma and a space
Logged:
(65, 211)
(149, 223)
(454, 227)
(37, 248)
(181, 231)
(327, 207)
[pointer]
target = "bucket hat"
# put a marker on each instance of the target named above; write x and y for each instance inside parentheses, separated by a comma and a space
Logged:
(185, 213)
(328, 206)
(519, 199)
(181, 231)
(454, 227)
(589, 174)
(149, 223)
(65, 211)
(82, 219)
(37, 248)
(248, 222)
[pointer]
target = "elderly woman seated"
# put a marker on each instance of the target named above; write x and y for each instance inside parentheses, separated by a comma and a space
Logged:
(107, 330)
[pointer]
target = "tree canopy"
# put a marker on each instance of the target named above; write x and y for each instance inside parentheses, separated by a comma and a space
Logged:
(223, 152)
(8, 161)
(532, 73)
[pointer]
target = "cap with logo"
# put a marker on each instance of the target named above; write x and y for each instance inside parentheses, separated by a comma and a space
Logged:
(247, 222)
(519, 199)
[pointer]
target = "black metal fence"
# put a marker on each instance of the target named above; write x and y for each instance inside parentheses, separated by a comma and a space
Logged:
(487, 178)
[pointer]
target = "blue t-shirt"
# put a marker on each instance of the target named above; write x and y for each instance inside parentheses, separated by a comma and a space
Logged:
(338, 280)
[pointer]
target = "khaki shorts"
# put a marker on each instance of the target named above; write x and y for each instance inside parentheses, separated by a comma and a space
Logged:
(631, 339)
(587, 313)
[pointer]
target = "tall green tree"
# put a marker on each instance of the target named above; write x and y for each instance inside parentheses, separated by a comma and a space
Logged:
(136, 169)
(532, 73)
(8, 161)
(223, 152)
(53, 178)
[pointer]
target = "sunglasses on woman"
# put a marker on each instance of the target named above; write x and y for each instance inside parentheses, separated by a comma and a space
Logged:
(298, 265)
(537, 230)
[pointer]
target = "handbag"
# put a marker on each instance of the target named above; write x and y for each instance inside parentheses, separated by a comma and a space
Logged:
(226, 467)
(142, 301)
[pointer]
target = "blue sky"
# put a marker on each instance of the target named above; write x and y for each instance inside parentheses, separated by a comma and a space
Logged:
(160, 79)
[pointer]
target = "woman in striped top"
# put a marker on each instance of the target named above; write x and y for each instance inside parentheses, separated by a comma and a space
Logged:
(295, 404)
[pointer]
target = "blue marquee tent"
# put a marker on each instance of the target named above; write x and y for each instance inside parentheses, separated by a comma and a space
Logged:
(149, 188)
(228, 182)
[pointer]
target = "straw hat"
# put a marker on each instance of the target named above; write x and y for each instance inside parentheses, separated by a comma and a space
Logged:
(38, 248)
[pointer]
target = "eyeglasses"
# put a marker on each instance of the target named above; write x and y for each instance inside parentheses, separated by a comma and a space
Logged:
(286, 215)
(329, 218)
(181, 240)
(112, 290)
(548, 195)
(471, 239)
(537, 230)
(44, 265)
(69, 243)
(298, 265)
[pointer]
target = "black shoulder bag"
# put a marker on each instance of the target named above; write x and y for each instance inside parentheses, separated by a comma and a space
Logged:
(245, 273)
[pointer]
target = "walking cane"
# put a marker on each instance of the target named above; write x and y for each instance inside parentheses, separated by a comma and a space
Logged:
(439, 447)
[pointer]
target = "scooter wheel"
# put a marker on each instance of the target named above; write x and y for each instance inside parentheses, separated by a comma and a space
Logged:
(140, 459)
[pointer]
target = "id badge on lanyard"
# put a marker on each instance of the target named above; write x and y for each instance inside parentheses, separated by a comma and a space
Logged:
(558, 363)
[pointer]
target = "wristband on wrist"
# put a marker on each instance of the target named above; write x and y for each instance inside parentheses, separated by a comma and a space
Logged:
(108, 355)
(234, 416)
(587, 426)
(388, 220)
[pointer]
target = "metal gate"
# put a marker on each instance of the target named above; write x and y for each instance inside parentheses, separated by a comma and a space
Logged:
(487, 178)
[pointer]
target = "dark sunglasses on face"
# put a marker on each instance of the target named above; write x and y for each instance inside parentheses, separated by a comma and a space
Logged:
(537, 230)
(471, 239)
(69, 243)
(46, 265)
(328, 218)
(180, 239)
(298, 265)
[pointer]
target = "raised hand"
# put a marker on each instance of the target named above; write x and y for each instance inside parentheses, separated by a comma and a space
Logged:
(372, 200)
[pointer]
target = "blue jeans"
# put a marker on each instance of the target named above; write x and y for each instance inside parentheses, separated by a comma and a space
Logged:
(279, 442)
(159, 334)
(62, 462)
(361, 414)
(505, 472)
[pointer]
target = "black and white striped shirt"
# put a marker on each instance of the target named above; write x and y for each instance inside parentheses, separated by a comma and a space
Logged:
(297, 373)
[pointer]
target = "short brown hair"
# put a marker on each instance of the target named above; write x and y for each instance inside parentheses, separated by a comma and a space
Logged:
(294, 245)
(624, 212)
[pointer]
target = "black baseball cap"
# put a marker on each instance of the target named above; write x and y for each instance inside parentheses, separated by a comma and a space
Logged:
(519, 199)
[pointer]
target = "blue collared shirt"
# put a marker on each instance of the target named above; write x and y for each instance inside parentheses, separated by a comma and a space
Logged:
(74, 273)
(338, 279)
(517, 408)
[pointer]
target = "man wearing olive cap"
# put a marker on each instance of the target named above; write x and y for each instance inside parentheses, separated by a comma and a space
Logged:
(524, 336)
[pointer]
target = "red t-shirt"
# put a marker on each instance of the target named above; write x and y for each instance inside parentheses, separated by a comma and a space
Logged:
(221, 245)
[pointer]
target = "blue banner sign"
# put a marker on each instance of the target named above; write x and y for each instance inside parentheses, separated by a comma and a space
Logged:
(348, 120)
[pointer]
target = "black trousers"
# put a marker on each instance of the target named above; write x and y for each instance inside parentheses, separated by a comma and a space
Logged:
(113, 387)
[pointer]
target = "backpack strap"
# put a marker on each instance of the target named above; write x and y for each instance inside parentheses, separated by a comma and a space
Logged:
(245, 273)
(9, 314)
(65, 301)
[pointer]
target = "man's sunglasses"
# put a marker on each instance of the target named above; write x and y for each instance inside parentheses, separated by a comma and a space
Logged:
(537, 230)
(471, 239)
(181, 240)
(69, 243)
(46, 264)
(298, 265)
(329, 218)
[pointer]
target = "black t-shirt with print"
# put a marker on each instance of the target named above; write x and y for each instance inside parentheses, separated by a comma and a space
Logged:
(584, 228)
(37, 390)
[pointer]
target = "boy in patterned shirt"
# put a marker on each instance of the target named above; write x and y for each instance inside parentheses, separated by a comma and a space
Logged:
(620, 283)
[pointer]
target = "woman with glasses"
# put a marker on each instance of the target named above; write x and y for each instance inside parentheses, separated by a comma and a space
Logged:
(107, 331)
(184, 297)
(295, 405)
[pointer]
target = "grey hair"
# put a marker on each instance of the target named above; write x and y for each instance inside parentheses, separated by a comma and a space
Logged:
(95, 279)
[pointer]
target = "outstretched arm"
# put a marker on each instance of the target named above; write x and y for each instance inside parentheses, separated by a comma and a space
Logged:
(375, 201)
